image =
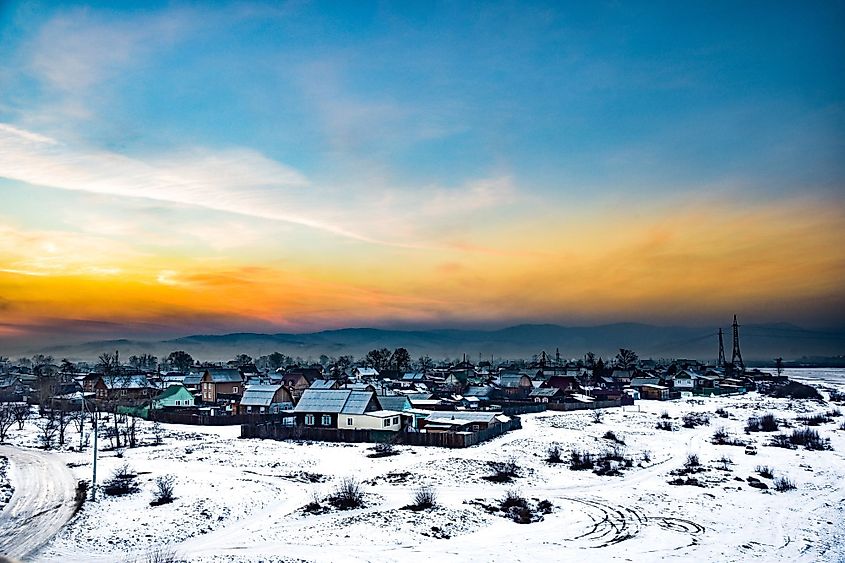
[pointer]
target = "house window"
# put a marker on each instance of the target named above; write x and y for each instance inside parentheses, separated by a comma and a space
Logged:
(327, 420)
(386, 422)
(349, 421)
(395, 420)
(475, 428)
(234, 389)
(309, 419)
(178, 402)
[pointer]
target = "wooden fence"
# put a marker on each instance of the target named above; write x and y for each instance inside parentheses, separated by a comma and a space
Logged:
(587, 406)
(278, 431)
(170, 417)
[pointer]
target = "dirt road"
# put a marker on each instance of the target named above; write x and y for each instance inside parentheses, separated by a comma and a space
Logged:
(42, 503)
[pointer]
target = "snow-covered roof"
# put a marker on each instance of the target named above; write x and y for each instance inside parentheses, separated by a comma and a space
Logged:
(224, 375)
(368, 372)
(345, 401)
(126, 382)
(323, 384)
(259, 395)
(461, 417)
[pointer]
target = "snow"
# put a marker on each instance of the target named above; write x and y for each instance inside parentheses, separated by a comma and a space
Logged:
(243, 500)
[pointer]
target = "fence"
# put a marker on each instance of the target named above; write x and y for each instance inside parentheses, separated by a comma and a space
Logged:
(522, 408)
(208, 420)
(587, 406)
(278, 431)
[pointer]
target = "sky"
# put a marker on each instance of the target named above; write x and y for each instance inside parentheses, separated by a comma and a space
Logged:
(173, 168)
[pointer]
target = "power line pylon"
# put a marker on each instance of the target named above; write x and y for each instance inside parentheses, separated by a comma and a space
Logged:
(736, 356)
(721, 362)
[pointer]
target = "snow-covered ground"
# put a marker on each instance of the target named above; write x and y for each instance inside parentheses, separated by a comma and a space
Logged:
(242, 500)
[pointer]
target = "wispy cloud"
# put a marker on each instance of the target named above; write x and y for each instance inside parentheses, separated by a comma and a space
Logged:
(238, 180)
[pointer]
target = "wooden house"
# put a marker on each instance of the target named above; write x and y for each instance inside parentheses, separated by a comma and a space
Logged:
(345, 408)
(221, 384)
(265, 399)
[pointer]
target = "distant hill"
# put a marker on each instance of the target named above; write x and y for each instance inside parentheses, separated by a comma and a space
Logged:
(759, 342)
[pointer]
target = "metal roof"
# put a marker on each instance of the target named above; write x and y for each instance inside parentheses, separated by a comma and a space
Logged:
(323, 384)
(544, 392)
(345, 401)
(478, 391)
(259, 395)
(394, 402)
(224, 375)
(461, 417)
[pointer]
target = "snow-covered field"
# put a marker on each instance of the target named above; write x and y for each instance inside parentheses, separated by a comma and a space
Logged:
(242, 500)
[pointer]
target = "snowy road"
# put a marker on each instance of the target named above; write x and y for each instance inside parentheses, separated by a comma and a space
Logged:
(42, 503)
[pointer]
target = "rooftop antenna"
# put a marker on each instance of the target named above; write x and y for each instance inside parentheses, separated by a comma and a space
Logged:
(721, 362)
(736, 356)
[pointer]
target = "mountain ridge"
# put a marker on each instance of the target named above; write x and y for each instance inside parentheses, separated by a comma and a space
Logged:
(758, 342)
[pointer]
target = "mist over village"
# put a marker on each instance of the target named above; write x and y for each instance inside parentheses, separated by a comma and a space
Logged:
(532, 281)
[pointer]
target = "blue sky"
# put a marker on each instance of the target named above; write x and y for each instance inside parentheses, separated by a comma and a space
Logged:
(377, 131)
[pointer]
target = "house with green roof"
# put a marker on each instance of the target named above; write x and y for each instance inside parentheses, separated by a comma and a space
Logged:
(175, 396)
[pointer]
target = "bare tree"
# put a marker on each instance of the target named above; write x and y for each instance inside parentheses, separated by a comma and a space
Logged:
(7, 419)
(47, 429)
(626, 359)
(21, 413)
(63, 419)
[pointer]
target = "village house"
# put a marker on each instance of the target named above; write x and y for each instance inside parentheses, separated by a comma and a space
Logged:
(514, 385)
(298, 379)
(547, 395)
(174, 397)
(325, 384)
(347, 409)
(461, 421)
(265, 399)
(365, 373)
(566, 383)
(124, 388)
(221, 384)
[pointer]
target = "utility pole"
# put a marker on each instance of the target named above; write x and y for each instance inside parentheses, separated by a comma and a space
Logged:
(94, 473)
(721, 362)
(736, 356)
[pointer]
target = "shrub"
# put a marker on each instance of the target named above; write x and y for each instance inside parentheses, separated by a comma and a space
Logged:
(424, 497)
(164, 489)
(647, 456)
(765, 423)
(513, 500)
(834, 413)
(598, 416)
(122, 482)
(783, 484)
(722, 412)
(781, 441)
(579, 461)
(842, 426)
(665, 425)
(808, 438)
(720, 436)
(503, 471)
(765, 471)
(383, 449)
(814, 420)
(610, 435)
(347, 495)
(692, 461)
(794, 390)
(664, 415)
(553, 454)
(725, 461)
(691, 420)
